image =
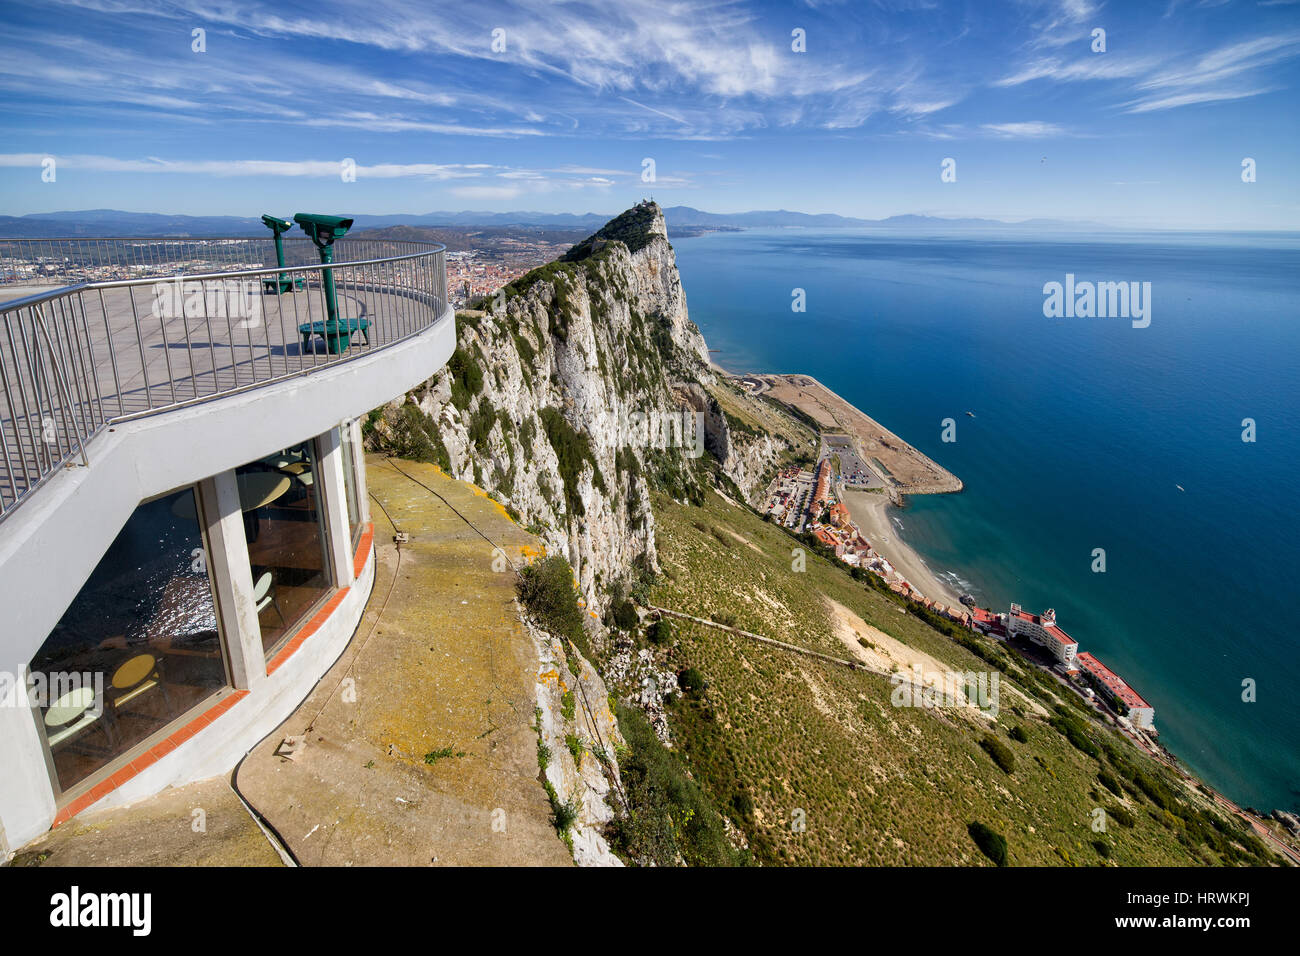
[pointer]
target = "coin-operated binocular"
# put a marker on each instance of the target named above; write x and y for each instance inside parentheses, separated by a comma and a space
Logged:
(323, 231)
(282, 283)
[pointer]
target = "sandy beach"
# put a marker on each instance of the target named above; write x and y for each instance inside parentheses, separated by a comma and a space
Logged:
(870, 512)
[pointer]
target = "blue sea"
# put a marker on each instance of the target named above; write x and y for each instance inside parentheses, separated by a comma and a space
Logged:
(1084, 429)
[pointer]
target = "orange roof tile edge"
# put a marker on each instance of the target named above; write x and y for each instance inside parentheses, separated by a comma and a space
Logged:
(149, 758)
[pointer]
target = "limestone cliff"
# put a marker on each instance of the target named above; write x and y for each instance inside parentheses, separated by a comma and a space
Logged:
(572, 392)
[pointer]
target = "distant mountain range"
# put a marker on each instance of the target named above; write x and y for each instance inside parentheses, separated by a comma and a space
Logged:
(681, 220)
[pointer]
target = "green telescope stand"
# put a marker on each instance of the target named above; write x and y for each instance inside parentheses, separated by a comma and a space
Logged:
(337, 333)
(282, 283)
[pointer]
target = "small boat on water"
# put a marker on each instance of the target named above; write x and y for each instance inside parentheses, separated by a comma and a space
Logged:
(1180, 487)
(971, 414)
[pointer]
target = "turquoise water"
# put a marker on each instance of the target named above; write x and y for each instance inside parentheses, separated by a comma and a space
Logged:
(1083, 430)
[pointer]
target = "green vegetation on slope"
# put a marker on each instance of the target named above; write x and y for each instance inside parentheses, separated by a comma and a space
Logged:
(632, 228)
(547, 592)
(833, 773)
(574, 452)
(671, 818)
(415, 436)
(466, 378)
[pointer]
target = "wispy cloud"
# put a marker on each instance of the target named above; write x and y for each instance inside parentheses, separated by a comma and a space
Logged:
(490, 181)
(711, 71)
(1061, 70)
(1167, 80)
(1058, 22)
(1033, 129)
(1193, 98)
(249, 167)
(1234, 71)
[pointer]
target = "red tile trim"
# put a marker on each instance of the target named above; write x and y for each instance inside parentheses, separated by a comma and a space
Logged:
(306, 631)
(363, 550)
(149, 758)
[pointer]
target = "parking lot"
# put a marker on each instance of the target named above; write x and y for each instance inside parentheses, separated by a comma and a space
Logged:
(853, 469)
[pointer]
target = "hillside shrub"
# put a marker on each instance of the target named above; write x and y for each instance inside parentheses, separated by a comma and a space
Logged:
(546, 590)
(660, 632)
(692, 681)
(1000, 752)
(992, 844)
(466, 378)
(625, 616)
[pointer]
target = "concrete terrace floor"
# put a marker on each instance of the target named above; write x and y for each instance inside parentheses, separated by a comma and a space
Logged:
(417, 746)
(162, 831)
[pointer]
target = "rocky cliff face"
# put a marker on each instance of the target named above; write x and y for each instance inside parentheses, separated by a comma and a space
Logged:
(575, 390)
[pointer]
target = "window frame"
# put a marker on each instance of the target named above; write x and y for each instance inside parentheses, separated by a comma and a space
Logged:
(63, 797)
(322, 522)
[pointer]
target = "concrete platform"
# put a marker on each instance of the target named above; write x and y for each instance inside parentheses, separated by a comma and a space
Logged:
(420, 738)
(124, 358)
(203, 824)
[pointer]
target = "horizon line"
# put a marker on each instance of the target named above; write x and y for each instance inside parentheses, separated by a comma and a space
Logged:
(856, 221)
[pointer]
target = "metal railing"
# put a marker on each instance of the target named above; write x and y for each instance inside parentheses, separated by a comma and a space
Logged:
(140, 326)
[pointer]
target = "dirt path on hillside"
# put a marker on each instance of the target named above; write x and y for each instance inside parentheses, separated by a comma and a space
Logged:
(887, 652)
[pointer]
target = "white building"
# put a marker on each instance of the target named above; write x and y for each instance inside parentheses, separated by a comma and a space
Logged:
(1128, 702)
(185, 545)
(1043, 630)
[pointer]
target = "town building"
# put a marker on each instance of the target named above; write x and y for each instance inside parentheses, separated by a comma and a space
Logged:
(1126, 701)
(987, 622)
(1043, 630)
(821, 489)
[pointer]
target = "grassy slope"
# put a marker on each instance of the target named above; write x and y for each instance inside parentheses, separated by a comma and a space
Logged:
(879, 784)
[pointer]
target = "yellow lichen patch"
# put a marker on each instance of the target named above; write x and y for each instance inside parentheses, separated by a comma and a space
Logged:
(501, 509)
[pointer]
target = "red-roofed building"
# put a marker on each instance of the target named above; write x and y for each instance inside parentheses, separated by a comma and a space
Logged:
(1122, 697)
(1042, 630)
(828, 539)
(822, 489)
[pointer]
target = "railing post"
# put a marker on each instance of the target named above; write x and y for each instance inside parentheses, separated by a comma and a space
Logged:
(61, 384)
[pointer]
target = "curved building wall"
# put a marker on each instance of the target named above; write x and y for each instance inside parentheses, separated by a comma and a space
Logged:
(52, 545)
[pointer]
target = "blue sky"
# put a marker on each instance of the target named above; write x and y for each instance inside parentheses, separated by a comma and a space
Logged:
(1151, 132)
